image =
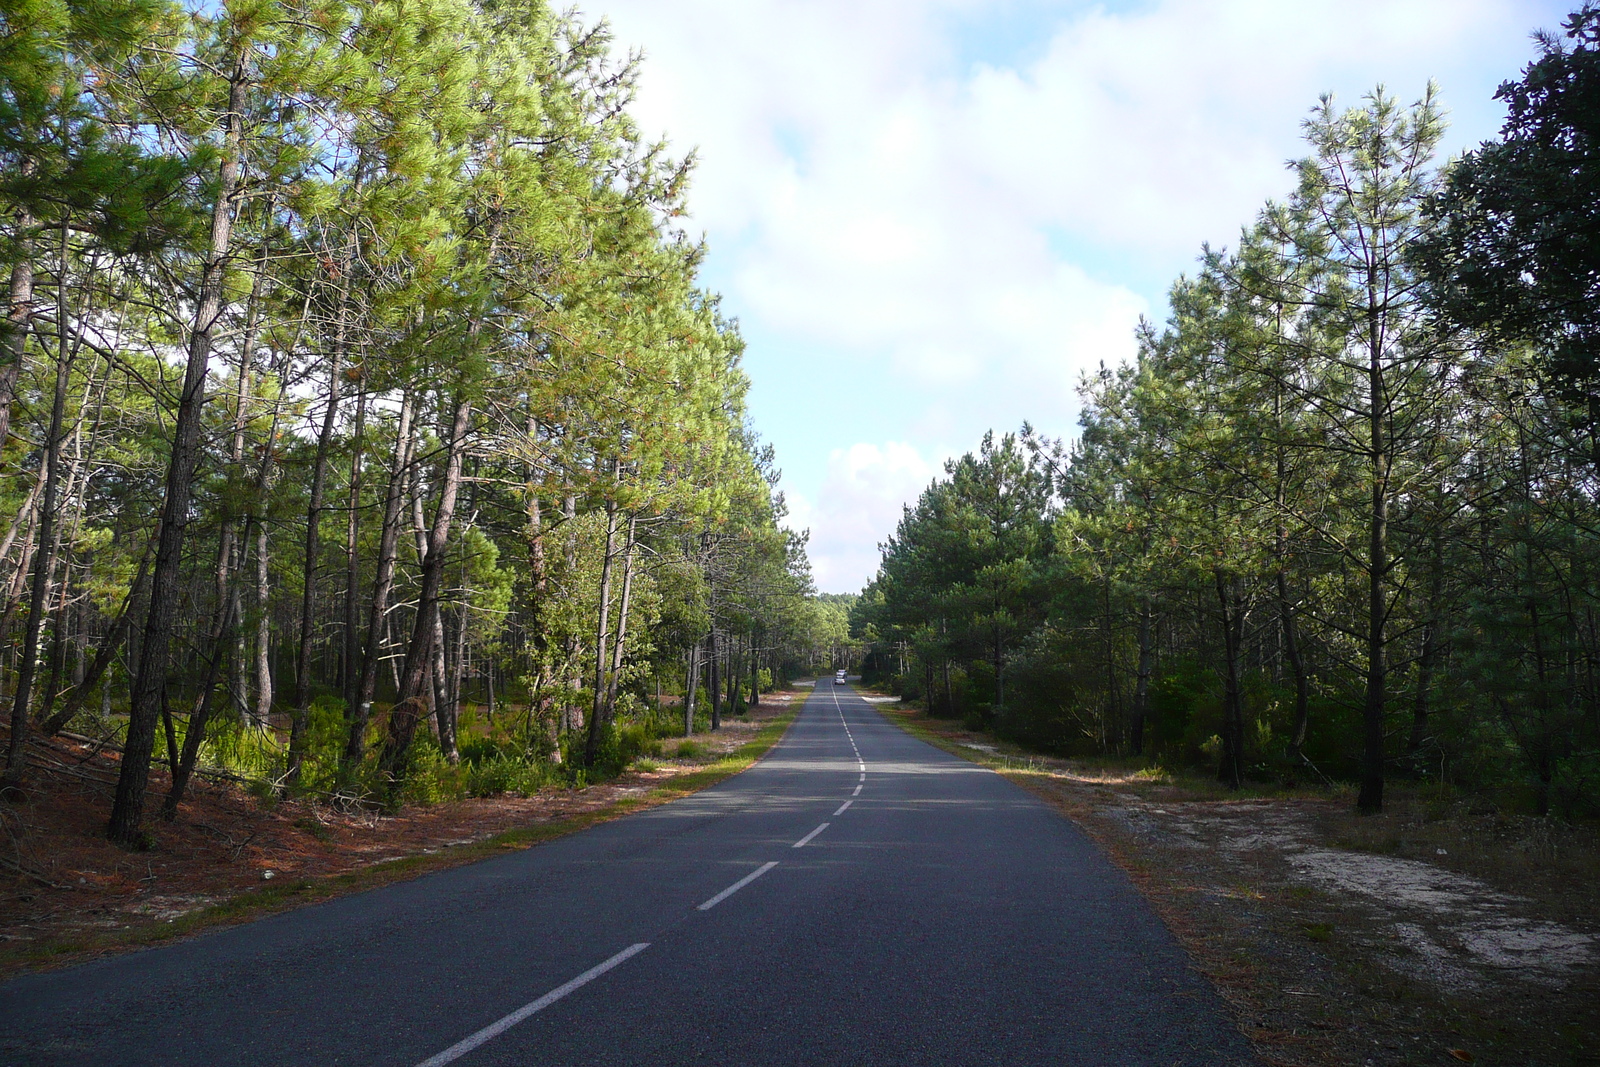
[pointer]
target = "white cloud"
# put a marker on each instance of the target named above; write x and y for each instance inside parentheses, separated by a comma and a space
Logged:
(962, 237)
(857, 507)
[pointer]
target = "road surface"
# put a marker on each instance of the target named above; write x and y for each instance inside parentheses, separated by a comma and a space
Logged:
(858, 897)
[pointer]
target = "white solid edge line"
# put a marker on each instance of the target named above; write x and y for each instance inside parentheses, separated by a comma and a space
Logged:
(843, 806)
(494, 1030)
(735, 887)
(802, 842)
(857, 792)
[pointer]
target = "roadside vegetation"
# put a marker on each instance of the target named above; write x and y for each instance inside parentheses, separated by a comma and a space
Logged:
(367, 437)
(232, 857)
(1336, 523)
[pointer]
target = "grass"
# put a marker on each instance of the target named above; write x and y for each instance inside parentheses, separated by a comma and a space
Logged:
(279, 896)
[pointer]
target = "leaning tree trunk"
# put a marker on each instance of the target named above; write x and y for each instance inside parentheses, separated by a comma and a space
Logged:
(221, 644)
(538, 590)
(352, 570)
(102, 657)
(19, 313)
(43, 565)
(383, 581)
(412, 700)
(300, 723)
(619, 645)
(221, 640)
(591, 749)
(127, 810)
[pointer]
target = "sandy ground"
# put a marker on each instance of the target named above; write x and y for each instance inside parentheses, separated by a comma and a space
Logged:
(61, 881)
(1435, 933)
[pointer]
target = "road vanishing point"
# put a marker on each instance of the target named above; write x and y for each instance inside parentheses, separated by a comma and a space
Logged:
(858, 897)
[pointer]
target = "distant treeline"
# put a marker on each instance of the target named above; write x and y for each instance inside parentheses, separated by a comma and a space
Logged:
(1339, 517)
(354, 365)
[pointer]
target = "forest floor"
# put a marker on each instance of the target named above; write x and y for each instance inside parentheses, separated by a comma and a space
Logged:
(67, 894)
(1438, 932)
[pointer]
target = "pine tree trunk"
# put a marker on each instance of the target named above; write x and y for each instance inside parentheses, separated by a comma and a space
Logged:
(1231, 770)
(716, 691)
(572, 714)
(44, 563)
(263, 651)
(691, 683)
(1426, 660)
(591, 751)
(352, 571)
(755, 672)
(221, 639)
(419, 652)
(103, 656)
(540, 709)
(1370, 798)
(127, 811)
(300, 723)
(383, 581)
(1297, 665)
(619, 645)
(19, 312)
(1141, 689)
(444, 697)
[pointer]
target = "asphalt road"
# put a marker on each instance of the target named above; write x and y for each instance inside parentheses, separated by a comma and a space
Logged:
(889, 904)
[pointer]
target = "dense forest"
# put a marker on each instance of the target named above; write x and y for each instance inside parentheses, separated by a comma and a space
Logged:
(355, 374)
(1340, 518)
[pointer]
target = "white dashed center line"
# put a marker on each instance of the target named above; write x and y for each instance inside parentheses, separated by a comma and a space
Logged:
(843, 806)
(495, 1029)
(735, 887)
(857, 792)
(806, 839)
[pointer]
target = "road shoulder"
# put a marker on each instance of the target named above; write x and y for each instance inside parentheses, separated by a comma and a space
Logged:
(70, 896)
(1392, 940)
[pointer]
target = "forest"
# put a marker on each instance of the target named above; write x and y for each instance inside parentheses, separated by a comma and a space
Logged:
(366, 430)
(1338, 521)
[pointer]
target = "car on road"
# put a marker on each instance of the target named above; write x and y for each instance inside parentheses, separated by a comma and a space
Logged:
(838, 677)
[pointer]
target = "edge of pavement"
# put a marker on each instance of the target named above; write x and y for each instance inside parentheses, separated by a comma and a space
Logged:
(259, 903)
(1007, 767)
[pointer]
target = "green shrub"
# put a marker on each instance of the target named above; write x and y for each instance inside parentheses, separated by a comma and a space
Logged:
(503, 773)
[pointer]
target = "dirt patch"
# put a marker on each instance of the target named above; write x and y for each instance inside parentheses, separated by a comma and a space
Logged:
(1431, 934)
(65, 891)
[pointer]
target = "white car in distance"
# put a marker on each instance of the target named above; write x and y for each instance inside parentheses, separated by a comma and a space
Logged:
(838, 678)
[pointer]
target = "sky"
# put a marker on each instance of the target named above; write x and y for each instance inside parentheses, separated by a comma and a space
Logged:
(931, 218)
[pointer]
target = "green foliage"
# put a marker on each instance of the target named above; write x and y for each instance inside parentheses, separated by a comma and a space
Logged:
(391, 213)
(1515, 253)
(1316, 530)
